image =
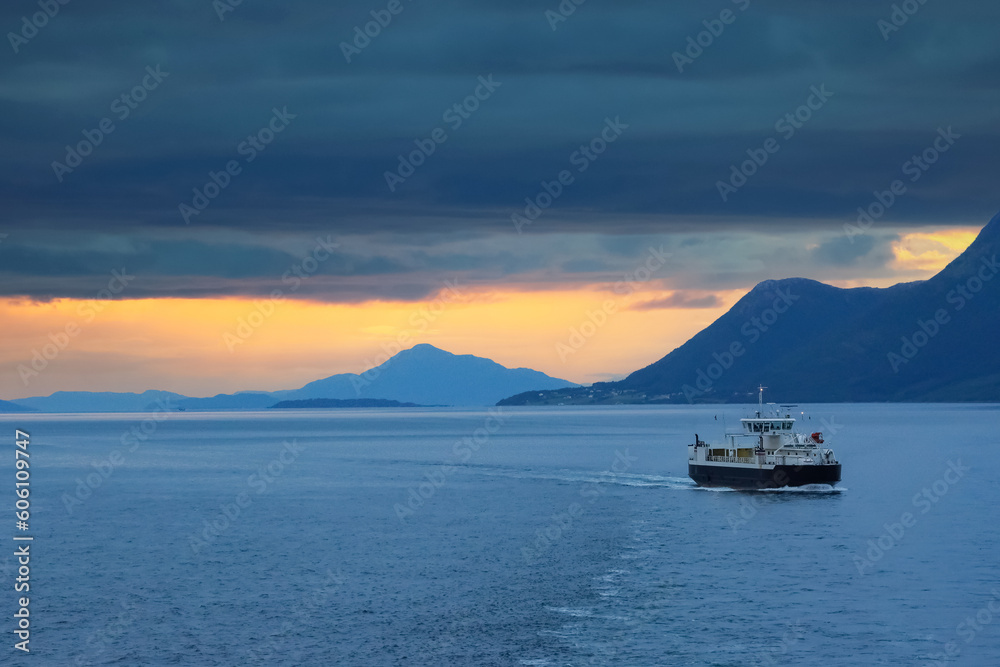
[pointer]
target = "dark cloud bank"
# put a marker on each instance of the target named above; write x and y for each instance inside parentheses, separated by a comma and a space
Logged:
(205, 123)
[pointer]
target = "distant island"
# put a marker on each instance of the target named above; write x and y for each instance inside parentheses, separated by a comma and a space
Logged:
(422, 375)
(344, 403)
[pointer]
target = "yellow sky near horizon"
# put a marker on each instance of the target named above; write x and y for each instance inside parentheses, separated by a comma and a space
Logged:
(919, 255)
(198, 346)
(208, 346)
(931, 251)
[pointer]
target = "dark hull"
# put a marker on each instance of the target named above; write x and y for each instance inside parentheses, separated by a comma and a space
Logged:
(756, 478)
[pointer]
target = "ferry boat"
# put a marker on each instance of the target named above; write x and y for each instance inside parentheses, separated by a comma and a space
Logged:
(765, 453)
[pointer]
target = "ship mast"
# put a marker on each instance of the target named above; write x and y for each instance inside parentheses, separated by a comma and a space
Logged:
(760, 399)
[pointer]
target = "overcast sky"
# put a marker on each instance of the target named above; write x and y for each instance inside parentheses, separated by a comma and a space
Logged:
(554, 86)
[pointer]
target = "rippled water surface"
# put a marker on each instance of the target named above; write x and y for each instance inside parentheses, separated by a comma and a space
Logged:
(562, 536)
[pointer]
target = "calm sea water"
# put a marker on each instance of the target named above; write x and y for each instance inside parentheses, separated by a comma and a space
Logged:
(534, 537)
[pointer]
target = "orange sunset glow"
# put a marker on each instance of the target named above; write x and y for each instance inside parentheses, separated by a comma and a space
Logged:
(207, 346)
(198, 346)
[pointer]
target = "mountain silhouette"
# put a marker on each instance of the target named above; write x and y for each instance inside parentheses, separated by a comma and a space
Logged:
(422, 375)
(932, 340)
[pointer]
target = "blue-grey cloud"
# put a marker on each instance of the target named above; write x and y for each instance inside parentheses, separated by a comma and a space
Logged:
(325, 172)
(679, 300)
(855, 250)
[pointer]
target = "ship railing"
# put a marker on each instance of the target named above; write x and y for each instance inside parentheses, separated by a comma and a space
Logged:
(732, 459)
